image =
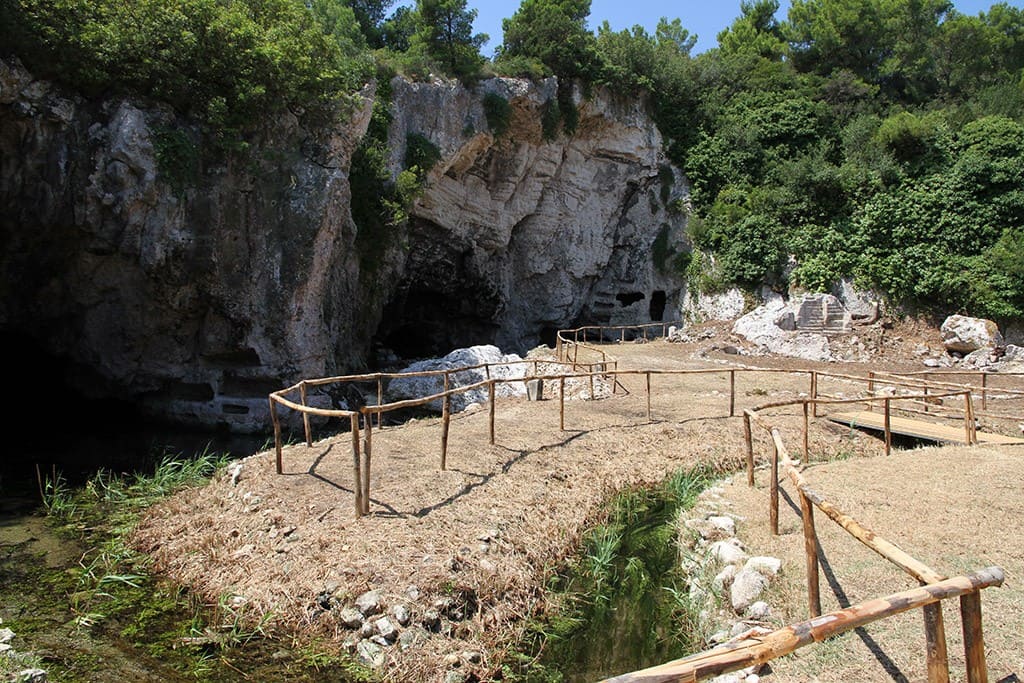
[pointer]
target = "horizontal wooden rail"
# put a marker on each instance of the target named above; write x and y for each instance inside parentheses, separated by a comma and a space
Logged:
(762, 649)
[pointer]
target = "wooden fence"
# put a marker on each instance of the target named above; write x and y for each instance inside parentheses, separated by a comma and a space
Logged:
(935, 586)
(360, 421)
(932, 398)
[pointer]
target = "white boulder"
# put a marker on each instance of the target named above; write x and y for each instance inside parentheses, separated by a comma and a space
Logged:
(503, 366)
(963, 334)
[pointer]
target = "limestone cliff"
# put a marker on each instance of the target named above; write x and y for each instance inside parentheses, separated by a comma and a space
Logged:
(195, 282)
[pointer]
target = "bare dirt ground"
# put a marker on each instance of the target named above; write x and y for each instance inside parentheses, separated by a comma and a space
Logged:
(476, 544)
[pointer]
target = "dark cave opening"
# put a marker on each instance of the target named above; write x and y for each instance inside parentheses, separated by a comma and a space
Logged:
(657, 307)
(425, 323)
(56, 426)
(629, 298)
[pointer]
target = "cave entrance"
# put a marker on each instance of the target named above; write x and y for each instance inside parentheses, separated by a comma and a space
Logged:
(657, 307)
(425, 323)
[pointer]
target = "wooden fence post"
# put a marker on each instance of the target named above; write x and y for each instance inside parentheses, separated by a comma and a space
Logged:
(648, 396)
(935, 643)
(356, 465)
(380, 400)
(491, 402)
(871, 391)
(806, 434)
(888, 429)
(968, 421)
(367, 456)
(773, 510)
(446, 419)
(277, 432)
(561, 403)
(748, 438)
(971, 420)
(305, 415)
(974, 643)
(984, 391)
(814, 390)
(732, 393)
(810, 556)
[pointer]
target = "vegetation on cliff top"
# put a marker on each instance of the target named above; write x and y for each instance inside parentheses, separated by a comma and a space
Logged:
(878, 139)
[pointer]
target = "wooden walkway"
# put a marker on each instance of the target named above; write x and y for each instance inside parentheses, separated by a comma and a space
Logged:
(918, 428)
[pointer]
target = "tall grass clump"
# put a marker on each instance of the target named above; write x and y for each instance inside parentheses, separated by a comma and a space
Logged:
(625, 601)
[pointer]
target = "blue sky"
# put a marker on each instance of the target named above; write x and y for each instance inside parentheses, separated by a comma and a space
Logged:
(703, 17)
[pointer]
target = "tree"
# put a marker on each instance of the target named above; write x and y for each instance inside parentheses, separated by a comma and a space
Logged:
(555, 33)
(756, 31)
(397, 32)
(446, 33)
(628, 57)
(370, 15)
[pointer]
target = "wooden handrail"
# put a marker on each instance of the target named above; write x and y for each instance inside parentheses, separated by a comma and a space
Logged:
(761, 649)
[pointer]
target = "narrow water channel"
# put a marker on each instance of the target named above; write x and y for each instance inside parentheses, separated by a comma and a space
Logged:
(627, 604)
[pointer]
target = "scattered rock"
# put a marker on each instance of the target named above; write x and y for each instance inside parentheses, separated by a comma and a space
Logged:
(473, 657)
(724, 578)
(367, 630)
(410, 637)
(767, 566)
(727, 552)
(724, 524)
(413, 592)
(6, 635)
(370, 654)
(456, 677)
(350, 617)
(746, 588)
(401, 614)
(31, 676)
(759, 611)
(431, 620)
(369, 603)
(386, 629)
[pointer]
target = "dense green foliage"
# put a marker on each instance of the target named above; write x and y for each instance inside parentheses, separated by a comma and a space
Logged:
(874, 139)
(224, 62)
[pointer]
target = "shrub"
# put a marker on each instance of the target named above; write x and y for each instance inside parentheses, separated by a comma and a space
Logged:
(498, 112)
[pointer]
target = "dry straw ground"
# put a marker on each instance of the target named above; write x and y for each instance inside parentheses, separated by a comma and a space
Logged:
(277, 543)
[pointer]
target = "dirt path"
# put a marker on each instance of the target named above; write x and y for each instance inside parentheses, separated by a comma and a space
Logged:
(466, 551)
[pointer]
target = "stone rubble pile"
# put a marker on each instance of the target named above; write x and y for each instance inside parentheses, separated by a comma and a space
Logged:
(16, 660)
(738, 581)
(379, 623)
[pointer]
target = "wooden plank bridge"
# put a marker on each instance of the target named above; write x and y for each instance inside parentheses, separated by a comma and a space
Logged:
(919, 429)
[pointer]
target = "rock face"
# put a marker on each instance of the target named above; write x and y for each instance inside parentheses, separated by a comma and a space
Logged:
(519, 235)
(962, 334)
(194, 282)
(194, 287)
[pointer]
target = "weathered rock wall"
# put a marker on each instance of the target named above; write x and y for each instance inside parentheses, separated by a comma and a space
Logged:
(194, 282)
(192, 289)
(537, 233)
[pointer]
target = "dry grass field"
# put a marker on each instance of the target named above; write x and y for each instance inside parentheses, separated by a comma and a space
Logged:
(490, 530)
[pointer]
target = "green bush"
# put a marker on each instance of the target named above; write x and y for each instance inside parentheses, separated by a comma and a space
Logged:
(226, 62)
(498, 112)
